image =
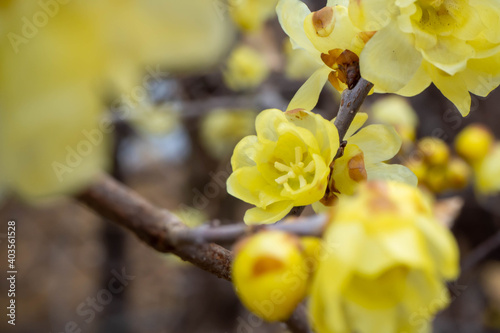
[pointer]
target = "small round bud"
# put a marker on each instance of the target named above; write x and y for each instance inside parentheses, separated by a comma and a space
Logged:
(457, 174)
(436, 180)
(270, 274)
(418, 167)
(474, 142)
(435, 151)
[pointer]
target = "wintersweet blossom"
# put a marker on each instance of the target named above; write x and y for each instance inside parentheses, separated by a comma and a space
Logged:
(250, 15)
(391, 261)
(363, 160)
(246, 69)
(330, 37)
(454, 44)
(285, 165)
(61, 62)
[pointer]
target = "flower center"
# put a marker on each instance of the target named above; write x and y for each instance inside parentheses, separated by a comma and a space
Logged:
(296, 170)
(439, 16)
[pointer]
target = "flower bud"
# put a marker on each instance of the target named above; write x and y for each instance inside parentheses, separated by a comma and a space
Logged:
(435, 151)
(457, 174)
(474, 142)
(270, 274)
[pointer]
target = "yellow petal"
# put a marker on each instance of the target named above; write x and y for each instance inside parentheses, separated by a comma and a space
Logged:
(270, 214)
(389, 59)
(248, 185)
(418, 83)
(442, 247)
(325, 132)
(359, 120)
(267, 122)
(450, 54)
(454, 88)
(394, 172)
(482, 75)
(291, 15)
(378, 142)
(307, 96)
(244, 153)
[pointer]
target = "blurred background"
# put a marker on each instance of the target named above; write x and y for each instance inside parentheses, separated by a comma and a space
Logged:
(183, 84)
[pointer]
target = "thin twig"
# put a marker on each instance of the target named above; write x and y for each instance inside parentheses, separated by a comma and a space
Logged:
(303, 226)
(350, 103)
(481, 252)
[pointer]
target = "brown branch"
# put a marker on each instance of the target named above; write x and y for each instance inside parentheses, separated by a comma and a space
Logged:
(303, 226)
(350, 103)
(481, 252)
(154, 226)
(158, 228)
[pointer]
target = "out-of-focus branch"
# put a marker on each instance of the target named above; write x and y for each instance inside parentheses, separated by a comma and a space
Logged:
(302, 226)
(154, 226)
(350, 103)
(160, 229)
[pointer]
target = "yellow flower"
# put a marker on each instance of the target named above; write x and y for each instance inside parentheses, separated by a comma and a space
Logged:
(285, 165)
(453, 43)
(397, 111)
(363, 160)
(250, 15)
(330, 38)
(270, 274)
(246, 69)
(487, 173)
(60, 62)
(474, 142)
(299, 63)
(391, 260)
(222, 129)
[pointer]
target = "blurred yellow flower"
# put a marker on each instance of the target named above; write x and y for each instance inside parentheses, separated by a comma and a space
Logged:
(487, 173)
(270, 274)
(329, 36)
(454, 44)
(285, 165)
(300, 64)
(250, 15)
(397, 111)
(363, 159)
(59, 62)
(391, 260)
(474, 142)
(246, 69)
(222, 129)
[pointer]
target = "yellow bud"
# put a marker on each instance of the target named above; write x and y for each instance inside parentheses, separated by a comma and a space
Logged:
(418, 167)
(474, 142)
(457, 174)
(435, 151)
(436, 179)
(270, 274)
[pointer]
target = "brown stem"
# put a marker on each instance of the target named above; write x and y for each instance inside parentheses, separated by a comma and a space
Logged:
(158, 228)
(350, 103)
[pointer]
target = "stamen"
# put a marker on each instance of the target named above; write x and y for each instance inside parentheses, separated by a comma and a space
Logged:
(282, 180)
(281, 167)
(298, 154)
(302, 181)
